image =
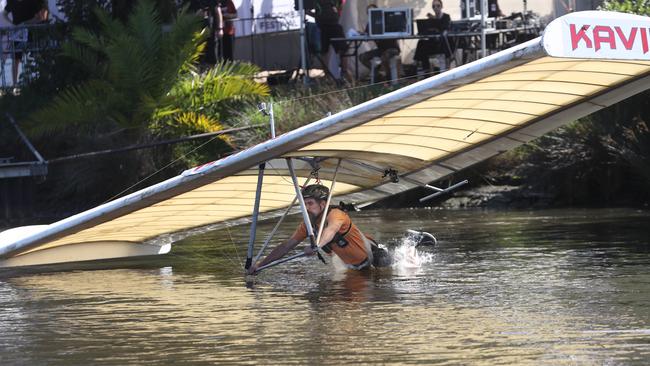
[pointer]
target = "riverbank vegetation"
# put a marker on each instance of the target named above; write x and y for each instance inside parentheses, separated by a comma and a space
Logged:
(602, 159)
(599, 160)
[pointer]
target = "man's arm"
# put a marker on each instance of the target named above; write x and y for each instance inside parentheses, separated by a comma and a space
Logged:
(333, 226)
(446, 22)
(277, 253)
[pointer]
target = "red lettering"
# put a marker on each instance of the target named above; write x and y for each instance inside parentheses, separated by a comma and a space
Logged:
(608, 37)
(580, 35)
(644, 39)
(627, 42)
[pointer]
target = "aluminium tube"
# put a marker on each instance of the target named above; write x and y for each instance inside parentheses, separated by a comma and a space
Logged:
(327, 206)
(272, 120)
(280, 261)
(277, 225)
(303, 208)
(256, 212)
(483, 10)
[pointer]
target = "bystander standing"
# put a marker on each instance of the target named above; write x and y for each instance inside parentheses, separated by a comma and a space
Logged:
(22, 12)
(227, 41)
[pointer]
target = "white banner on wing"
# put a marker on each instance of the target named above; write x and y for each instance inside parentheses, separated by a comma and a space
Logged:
(599, 34)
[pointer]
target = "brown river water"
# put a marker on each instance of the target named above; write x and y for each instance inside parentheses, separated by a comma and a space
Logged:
(548, 287)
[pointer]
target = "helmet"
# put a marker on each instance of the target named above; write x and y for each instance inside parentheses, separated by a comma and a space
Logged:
(316, 191)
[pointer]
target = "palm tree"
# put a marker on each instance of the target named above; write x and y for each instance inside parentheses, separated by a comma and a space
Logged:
(199, 101)
(140, 83)
(142, 79)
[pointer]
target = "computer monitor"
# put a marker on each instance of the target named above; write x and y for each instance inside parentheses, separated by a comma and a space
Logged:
(390, 22)
(430, 26)
(472, 8)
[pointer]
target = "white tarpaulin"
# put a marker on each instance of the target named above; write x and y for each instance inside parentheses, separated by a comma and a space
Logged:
(264, 16)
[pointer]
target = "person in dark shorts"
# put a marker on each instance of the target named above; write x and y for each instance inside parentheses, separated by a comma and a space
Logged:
(23, 12)
(227, 41)
(210, 12)
(326, 14)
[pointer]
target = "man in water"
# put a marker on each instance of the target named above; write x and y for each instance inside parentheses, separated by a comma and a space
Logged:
(340, 236)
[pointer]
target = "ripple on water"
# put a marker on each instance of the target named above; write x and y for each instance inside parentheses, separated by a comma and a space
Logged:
(521, 288)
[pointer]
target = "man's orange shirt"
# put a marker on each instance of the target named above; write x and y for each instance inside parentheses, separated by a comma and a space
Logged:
(355, 252)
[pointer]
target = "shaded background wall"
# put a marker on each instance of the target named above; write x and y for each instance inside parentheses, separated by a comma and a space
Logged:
(267, 29)
(282, 50)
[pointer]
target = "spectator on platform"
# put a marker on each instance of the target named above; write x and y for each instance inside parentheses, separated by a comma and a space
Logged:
(227, 41)
(435, 46)
(23, 12)
(386, 49)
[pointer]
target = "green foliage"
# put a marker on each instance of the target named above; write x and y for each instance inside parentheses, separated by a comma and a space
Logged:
(82, 12)
(199, 101)
(601, 159)
(145, 79)
(295, 105)
(131, 66)
(126, 82)
(640, 7)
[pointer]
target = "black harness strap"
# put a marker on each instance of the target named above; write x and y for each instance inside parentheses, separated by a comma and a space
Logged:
(338, 239)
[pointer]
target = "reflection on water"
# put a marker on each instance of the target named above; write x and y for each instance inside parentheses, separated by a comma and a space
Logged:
(542, 287)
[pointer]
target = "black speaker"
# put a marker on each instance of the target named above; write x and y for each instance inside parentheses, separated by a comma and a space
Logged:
(307, 4)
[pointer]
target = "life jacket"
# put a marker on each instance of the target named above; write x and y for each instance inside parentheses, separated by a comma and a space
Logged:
(339, 238)
(349, 243)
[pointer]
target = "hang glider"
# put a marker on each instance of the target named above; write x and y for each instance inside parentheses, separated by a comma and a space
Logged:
(408, 138)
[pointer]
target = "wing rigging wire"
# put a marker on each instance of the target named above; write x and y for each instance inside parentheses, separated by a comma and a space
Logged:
(289, 100)
(161, 169)
(232, 241)
(276, 102)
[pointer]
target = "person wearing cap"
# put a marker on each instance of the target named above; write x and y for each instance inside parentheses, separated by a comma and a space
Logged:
(340, 236)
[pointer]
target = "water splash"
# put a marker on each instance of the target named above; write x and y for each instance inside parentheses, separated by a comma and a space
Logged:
(407, 256)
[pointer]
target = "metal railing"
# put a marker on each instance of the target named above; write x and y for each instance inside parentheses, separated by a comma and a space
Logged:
(20, 46)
